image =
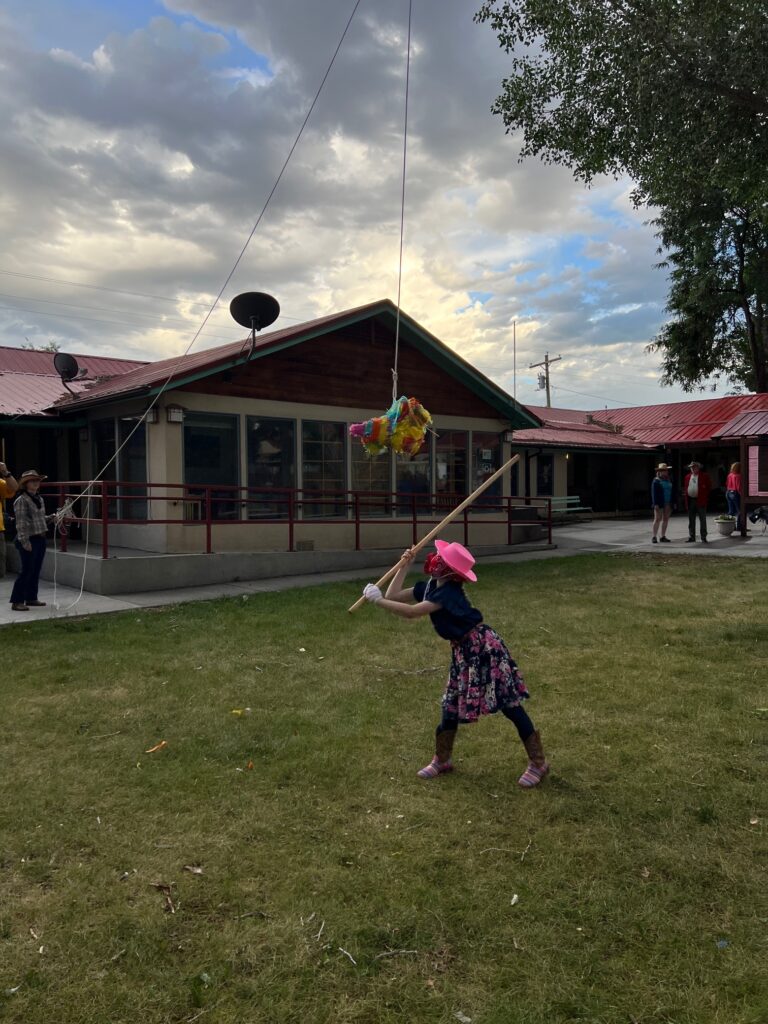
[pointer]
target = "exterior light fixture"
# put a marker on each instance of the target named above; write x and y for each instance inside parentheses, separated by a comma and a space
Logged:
(84, 434)
(150, 416)
(174, 413)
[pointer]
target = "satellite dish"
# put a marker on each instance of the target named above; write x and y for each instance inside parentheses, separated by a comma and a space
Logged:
(254, 310)
(66, 366)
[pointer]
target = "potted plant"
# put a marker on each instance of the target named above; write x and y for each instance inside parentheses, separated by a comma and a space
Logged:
(726, 524)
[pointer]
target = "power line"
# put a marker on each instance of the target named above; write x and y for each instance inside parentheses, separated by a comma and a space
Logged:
(120, 291)
(97, 320)
(109, 309)
(600, 398)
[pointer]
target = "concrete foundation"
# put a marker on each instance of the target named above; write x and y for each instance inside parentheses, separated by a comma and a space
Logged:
(129, 571)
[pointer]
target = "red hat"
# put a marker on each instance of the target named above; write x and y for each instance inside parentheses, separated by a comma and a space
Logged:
(457, 558)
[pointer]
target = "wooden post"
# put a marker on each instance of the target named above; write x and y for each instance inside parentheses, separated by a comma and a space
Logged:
(448, 519)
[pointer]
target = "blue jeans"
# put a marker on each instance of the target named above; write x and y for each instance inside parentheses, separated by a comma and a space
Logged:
(734, 504)
(25, 587)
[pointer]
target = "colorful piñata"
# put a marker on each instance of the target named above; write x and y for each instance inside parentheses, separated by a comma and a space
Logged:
(402, 428)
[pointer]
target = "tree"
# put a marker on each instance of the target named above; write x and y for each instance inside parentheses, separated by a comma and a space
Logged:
(50, 346)
(669, 93)
(718, 261)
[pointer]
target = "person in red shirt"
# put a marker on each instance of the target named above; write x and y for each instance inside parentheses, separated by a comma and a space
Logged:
(733, 493)
(696, 489)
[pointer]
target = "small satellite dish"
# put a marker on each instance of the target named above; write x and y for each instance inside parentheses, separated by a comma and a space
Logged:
(254, 310)
(66, 366)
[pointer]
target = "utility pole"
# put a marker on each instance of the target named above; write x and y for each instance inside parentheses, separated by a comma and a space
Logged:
(544, 377)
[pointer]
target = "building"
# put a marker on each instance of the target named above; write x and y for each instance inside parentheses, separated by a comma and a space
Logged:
(246, 448)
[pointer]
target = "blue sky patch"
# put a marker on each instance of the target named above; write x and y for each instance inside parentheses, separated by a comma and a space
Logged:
(81, 26)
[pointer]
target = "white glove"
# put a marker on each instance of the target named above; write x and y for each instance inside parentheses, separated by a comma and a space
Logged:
(372, 593)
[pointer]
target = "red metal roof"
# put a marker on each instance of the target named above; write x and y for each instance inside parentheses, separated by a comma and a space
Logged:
(30, 383)
(676, 423)
(682, 422)
(152, 375)
(22, 360)
(586, 436)
(170, 372)
(747, 424)
(30, 394)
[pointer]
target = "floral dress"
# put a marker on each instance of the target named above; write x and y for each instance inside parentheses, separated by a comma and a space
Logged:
(483, 676)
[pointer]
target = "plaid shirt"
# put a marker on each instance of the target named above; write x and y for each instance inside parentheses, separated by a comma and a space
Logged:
(30, 520)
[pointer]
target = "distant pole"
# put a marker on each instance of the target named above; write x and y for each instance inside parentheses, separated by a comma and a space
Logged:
(514, 359)
(546, 364)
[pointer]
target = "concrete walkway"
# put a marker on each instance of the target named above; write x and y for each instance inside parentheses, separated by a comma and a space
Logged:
(571, 539)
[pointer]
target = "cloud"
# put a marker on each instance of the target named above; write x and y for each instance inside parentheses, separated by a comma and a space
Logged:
(143, 165)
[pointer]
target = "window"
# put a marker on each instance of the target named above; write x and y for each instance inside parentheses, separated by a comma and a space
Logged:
(451, 467)
(372, 473)
(486, 459)
(271, 464)
(545, 475)
(414, 482)
(323, 467)
(133, 468)
(211, 458)
(103, 449)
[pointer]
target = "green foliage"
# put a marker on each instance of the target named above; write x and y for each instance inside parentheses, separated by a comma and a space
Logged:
(639, 865)
(669, 93)
(718, 261)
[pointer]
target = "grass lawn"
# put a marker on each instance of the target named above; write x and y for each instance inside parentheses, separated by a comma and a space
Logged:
(330, 884)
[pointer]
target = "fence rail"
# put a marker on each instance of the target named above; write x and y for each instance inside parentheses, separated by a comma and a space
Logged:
(110, 503)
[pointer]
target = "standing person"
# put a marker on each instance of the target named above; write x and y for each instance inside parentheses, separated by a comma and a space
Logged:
(483, 678)
(31, 528)
(696, 488)
(733, 493)
(8, 487)
(661, 500)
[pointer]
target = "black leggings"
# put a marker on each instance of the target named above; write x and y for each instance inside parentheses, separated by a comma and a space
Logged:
(517, 716)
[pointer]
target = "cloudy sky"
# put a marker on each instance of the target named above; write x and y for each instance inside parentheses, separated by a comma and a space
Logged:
(142, 138)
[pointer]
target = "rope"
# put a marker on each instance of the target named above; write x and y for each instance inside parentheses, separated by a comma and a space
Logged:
(228, 278)
(402, 202)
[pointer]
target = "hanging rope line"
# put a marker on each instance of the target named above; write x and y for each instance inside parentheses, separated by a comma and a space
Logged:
(177, 362)
(402, 200)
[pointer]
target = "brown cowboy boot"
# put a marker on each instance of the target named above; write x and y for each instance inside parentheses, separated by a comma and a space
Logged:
(537, 763)
(441, 762)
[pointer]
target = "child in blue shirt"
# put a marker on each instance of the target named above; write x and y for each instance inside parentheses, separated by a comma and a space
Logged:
(483, 677)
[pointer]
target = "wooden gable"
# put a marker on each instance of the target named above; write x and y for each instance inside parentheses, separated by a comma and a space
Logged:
(347, 367)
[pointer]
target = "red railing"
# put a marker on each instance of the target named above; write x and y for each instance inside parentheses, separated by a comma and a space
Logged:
(110, 503)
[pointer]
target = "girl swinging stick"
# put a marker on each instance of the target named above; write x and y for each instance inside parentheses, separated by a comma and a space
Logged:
(483, 677)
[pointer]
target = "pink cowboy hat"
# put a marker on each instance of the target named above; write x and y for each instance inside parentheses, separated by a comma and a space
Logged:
(457, 558)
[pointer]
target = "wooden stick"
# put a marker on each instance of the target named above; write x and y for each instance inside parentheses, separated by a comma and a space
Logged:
(448, 519)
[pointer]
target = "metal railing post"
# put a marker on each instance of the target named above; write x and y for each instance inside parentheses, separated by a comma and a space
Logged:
(357, 521)
(208, 530)
(291, 518)
(104, 520)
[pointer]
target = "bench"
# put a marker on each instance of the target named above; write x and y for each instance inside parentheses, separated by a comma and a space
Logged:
(568, 505)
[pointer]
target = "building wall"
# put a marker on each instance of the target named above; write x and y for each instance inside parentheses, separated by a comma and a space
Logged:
(165, 464)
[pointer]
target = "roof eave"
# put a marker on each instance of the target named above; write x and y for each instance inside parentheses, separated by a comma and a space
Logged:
(441, 355)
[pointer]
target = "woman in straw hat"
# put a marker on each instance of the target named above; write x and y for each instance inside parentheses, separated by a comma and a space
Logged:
(661, 500)
(483, 678)
(31, 528)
